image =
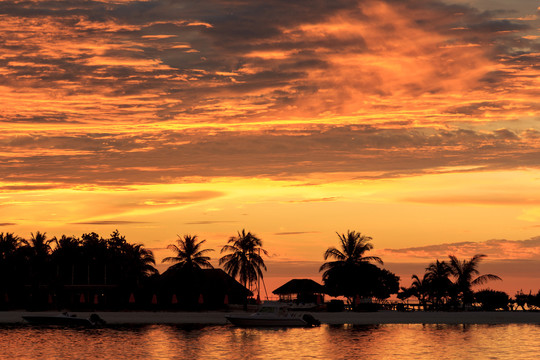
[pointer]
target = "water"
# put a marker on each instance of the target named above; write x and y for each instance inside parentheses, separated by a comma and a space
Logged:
(227, 342)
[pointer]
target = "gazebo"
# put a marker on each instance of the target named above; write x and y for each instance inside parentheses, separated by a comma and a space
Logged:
(301, 291)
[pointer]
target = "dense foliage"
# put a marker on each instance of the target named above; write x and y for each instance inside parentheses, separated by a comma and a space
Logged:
(490, 300)
(96, 272)
(448, 284)
(44, 271)
(352, 274)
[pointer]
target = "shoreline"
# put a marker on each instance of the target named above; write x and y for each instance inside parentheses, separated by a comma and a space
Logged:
(329, 318)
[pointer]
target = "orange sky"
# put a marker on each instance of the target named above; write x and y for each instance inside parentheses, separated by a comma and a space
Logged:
(414, 122)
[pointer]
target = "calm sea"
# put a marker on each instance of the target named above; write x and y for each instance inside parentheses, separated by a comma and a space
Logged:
(226, 342)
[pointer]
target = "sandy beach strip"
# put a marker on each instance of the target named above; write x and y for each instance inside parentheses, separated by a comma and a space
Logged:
(331, 318)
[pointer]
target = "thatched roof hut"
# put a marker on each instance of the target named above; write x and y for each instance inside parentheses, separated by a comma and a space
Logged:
(301, 290)
(209, 286)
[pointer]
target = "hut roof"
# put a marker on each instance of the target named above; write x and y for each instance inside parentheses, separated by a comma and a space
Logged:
(211, 279)
(297, 286)
(214, 276)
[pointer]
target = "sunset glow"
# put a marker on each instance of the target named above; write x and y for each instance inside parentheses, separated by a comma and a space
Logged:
(414, 122)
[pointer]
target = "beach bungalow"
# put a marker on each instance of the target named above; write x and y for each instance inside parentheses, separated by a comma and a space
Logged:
(301, 291)
(203, 288)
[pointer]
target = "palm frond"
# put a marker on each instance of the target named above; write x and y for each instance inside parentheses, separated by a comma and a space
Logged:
(485, 278)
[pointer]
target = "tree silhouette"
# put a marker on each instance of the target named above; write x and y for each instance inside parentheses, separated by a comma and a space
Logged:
(38, 246)
(12, 266)
(189, 253)
(185, 276)
(419, 288)
(244, 259)
(351, 273)
(464, 272)
(67, 256)
(37, 251)
(139, 264)
(353, 247)
(95, 253)
(9, 243)
(437, 284)
(491, 300)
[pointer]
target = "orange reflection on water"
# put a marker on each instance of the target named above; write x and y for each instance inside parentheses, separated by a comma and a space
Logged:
(227, 342)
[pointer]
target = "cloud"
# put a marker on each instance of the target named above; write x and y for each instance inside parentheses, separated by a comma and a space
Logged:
(326, 199)
(209, 222)
(147, 91)
(27, 187)
(495, 198)
(106, 159)
(152, 50)
(7, 224)
(110, 222)
(295, 233)
(496, 249)
(179, 198)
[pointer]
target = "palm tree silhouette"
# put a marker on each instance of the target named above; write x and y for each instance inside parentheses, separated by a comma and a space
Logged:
(189, 254)
(244, 259)
(351, 274)
(353, 247)
(67, 254)
(438, 284)
(12, 264)
(38, 246)
(9, 243)
(37, 250)
(418, 288)
(464, 272)
(139, 263)
(95, 252)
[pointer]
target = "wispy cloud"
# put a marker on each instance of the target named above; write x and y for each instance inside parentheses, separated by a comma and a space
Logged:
(295, 233)
(497, 249)
(325, 199)
(109, 222)
(210, 222)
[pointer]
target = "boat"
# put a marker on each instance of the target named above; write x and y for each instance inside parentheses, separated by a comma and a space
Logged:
(64, 319)
(273, 314)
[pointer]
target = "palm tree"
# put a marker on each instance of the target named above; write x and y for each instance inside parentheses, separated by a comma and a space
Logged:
(437, 281)
(464, 272)
(189, 254)
(67, 254)
(244, 259)
(11, 263)
(95, 254)
(353, 246)
(9, 243)
(418, 289)
(352, 274)
(37, 250)
(38, 245)
(139, 263)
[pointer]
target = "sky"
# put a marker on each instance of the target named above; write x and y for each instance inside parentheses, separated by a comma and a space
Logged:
(414, 122)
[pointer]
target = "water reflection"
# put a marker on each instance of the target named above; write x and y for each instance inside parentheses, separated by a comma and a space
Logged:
(227, 342)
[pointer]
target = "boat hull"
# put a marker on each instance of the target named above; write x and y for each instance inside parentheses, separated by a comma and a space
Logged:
(57, 320)
(64, 319)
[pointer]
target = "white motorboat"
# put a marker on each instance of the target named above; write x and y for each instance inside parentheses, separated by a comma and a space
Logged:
(64, 319)
(273, 314)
